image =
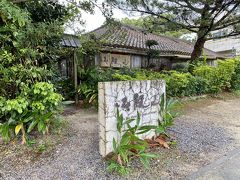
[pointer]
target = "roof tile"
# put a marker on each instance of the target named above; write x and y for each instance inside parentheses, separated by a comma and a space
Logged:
(135, 38)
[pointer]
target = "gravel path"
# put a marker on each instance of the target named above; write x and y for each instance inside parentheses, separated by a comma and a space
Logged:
(77, 158)
(207, 130)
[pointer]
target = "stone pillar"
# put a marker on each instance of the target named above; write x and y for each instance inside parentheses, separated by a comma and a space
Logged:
(129, 97)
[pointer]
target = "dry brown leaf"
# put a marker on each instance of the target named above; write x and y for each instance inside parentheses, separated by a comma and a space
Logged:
(119, 160)
(151, 142)
(162, 143)
(153, 145)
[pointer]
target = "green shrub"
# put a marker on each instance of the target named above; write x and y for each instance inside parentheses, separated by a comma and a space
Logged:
(180, 67)
(218, 78)
(27, 55)
(34, 107)
(88, 92)
(123, 77)
(155, 75)
(205, 79)
(65, 87)
(127, 71)
(226, 70)
(210, 74)
(168, 114)
(177, 83)
(130, 146)
(235, 81)
(196, 86)
(88, 89)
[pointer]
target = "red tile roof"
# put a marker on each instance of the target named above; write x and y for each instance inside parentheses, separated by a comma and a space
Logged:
(125, 36)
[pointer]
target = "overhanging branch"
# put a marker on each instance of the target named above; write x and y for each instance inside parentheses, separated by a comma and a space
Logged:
(232, 34)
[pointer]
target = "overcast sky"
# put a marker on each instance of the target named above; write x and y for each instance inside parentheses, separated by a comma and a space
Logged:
(96, 20)
(93, 21)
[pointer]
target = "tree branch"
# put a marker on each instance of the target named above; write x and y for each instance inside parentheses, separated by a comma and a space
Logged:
(227, 14)
(198, 10)
(190, 28)
(228, 24)
(225, 36)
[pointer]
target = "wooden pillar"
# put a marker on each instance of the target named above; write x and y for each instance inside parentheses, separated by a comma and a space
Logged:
(75, 75)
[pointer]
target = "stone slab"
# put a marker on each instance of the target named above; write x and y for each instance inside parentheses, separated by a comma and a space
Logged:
(129, 97)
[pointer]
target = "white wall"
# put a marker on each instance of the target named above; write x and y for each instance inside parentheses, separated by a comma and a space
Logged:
(224, 44)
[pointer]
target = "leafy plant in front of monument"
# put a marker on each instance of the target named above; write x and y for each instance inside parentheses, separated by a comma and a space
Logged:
(129, 146)
(167, 115)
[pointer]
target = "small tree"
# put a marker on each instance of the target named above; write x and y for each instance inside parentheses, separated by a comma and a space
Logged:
(200, 17)
(151, 53)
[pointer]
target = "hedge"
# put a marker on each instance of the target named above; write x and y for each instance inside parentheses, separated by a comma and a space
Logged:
(204, 80)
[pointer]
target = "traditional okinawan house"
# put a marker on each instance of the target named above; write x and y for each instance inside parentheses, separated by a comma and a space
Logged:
(125, 46)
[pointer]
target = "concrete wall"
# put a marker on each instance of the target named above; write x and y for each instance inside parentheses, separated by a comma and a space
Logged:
(129, 97)
(229, 46)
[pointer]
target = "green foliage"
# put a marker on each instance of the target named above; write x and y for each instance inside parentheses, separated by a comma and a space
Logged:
(196, 86)
(88, 92)
(151, 52)
(123, 77)
(177, 83)
(65, 87)
(45, 10)
(217, 78)
(113, 166)
(90, 46)
(34, 107)
(29, 48)
(88, 89)
(129, 146)
(205, 79)
(180, 67)
(237, 93)
(226, 69)
(167, 113)
(235, 81)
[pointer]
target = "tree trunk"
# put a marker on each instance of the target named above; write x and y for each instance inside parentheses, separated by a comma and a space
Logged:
(197, 52)
(198, 48)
